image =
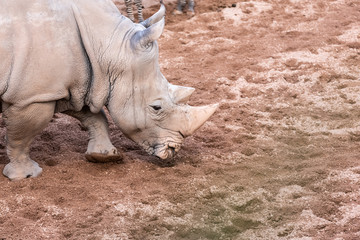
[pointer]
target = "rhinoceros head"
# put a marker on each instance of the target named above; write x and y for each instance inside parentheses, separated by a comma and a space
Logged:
(147, 108)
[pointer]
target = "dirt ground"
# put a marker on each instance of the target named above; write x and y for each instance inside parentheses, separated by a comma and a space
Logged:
(280, 159)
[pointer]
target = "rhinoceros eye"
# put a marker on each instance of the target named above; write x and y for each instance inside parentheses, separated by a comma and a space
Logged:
(156, 107)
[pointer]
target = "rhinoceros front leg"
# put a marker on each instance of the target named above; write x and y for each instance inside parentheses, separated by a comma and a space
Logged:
(22, 125)
(100, 148)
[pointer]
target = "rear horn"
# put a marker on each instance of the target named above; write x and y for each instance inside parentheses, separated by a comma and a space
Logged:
(156, 17)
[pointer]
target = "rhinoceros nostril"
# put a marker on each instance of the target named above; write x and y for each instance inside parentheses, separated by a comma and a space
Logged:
(181, 134)
(171, 151)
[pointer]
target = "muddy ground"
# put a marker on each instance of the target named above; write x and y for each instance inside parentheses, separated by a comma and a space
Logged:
(280, 159)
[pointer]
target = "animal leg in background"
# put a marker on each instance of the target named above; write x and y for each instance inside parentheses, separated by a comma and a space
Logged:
(139, 6)
(191, 7)
(181, 4)
(100, 148)
(23, 124)
(179, 7)
(129, 10)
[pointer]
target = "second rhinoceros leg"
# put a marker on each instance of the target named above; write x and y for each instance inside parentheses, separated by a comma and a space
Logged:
(100, 148)
(22, 125)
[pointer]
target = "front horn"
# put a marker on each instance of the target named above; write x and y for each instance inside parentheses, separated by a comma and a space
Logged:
(197, 116)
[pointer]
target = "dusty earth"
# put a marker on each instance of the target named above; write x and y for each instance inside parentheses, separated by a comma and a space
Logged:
(280, 159)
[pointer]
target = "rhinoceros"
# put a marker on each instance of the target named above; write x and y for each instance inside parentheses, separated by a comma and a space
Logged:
(80, 57)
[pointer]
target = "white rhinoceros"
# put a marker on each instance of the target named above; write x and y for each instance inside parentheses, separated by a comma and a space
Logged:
(76, 57)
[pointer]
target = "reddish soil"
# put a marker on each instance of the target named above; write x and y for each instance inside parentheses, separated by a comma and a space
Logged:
(280, 159)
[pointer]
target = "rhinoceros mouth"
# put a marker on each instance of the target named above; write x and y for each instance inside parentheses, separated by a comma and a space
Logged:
(167, 151)
(163, 151)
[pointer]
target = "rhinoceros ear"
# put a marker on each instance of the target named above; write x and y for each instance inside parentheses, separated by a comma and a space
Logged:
(179, 94)
(155, 18)
(144, 38)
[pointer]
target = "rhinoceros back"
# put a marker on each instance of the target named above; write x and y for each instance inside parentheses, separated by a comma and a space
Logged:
(42, 58)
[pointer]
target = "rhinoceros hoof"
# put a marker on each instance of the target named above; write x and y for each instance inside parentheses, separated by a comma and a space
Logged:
(104, 158)
(21, 170)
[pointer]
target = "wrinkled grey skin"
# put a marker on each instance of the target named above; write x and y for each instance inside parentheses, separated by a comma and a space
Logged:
(77, 57)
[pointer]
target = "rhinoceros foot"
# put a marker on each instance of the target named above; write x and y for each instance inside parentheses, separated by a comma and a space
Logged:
(104, 158)
(21, 170)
